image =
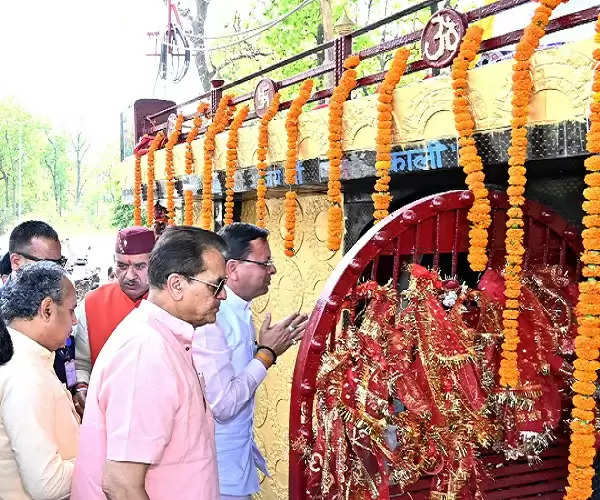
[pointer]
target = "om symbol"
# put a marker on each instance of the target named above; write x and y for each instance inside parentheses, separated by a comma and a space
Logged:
(442, 36)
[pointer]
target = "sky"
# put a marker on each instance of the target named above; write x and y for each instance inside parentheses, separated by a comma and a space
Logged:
(81, 62)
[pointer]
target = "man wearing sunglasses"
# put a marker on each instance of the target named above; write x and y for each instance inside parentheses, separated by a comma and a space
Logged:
(36, 241)
(147, 430)
(104, 308)
(232, 364)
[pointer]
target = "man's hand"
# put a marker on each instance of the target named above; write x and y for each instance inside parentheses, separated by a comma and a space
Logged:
(79, 400)
(283, 334)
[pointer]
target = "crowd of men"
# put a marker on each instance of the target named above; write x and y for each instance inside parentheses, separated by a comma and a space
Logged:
(155, 399)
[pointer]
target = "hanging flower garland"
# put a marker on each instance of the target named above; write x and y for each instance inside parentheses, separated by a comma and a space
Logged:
(381, 197)
(583, 436)
(522, 91)
(137, 191)
(188, 195)
(334, 185)
(170, 170)
(469, 159)
(263, 146)
(223, 115)
(291, 126)
(154, 145)
(232, 161)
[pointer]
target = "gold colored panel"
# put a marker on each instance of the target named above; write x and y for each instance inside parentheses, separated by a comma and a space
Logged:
(422, 111)
(296, 287)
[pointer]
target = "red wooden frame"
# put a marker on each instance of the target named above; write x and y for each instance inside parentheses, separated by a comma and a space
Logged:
(435, 225)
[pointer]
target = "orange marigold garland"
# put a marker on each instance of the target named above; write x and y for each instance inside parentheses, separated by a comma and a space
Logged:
(137, 191)
(232, 161)
(382, 197)
(522, 91)
(291, 126)
(587, 342)
(223, 115)
(334, 185)
(263, 145)
(469, 159)
(154, 145)
(188, 195)
(170, 170)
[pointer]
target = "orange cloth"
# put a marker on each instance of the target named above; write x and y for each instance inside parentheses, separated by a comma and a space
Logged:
(105, 308)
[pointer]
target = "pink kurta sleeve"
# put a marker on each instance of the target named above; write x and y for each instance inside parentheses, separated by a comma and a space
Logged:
(138, 424)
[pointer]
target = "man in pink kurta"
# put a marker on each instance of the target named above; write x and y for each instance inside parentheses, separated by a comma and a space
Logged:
(145, 409)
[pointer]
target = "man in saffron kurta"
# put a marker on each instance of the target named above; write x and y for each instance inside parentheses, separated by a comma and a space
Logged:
(104, 308)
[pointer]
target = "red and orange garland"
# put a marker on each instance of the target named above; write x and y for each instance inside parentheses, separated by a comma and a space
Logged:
(154, 145)
(232, 161)
(263, 146)
(137, 191)
(335, 214)
(188, 195)
(583, 436)
(468, 158)
(522, 91)
(170, 169)
(383, 159)
(220, 121)
(291, 126)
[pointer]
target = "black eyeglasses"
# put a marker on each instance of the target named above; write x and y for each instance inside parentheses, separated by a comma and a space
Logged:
(218, 287)
(62, 261)
(266, 263)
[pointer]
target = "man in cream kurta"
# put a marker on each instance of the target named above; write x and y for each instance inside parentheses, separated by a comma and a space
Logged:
(39, 427)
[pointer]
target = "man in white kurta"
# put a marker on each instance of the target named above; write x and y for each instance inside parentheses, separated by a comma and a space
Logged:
(39, 427)
(232, 365)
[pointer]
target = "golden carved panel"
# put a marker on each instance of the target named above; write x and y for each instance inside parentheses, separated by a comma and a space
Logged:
(295, 287)
(422, 111)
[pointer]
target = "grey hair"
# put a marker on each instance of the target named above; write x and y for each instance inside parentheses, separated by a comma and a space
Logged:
(24, 292)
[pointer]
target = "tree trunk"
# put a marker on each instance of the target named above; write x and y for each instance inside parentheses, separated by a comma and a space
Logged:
(200, 58)
(327, 33)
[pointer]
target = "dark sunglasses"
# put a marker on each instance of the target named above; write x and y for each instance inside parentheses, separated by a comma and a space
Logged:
(218, 287)
(62, 261)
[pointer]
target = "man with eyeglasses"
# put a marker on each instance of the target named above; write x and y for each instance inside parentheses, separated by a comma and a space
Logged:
(36, 241)
(147, 430)
(105, 307)
(232, 365)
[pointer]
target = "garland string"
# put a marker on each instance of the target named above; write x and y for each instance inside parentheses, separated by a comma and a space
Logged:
(469, 159)
(335, 214)
(188, 195)
(583, 434)
(170, 169)
(232, 161)
(291, 126)
(381, 197)
(154, 145)
(263, 146)
(223, 115)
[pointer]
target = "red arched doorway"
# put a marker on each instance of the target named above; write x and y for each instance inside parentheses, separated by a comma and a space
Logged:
(434, 228)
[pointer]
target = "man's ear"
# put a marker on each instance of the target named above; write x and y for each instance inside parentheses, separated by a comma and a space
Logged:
(47, 309)
(175, 286)
(230, 269)
(15, 260)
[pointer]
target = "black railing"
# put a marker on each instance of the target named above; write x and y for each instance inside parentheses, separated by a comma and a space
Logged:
(342, 47)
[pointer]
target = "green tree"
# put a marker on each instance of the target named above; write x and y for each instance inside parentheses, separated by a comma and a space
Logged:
(56, 161)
